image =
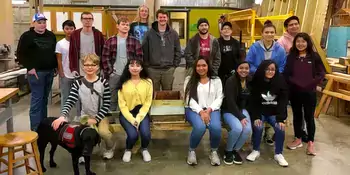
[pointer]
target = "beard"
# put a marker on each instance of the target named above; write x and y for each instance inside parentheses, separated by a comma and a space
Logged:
(203, 32)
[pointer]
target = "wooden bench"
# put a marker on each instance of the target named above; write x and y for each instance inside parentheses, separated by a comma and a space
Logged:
(338, 87)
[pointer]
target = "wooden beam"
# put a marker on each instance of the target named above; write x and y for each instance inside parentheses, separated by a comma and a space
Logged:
(6, 23)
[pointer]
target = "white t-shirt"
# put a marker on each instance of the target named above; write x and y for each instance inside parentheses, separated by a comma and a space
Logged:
(62, 47)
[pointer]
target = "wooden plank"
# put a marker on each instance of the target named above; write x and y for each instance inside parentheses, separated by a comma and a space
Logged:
(338, 78)
(343, 91)
(308, 16)
(323, 98)
(319, 19)
(322, 54)
(337, 95)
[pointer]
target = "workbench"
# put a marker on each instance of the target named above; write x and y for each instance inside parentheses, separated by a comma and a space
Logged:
(6, 111)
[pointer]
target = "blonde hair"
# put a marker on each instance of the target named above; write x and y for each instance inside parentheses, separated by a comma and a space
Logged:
(91, 57)
(138, 18)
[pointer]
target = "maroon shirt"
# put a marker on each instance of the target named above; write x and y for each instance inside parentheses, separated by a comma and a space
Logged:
(204, 49)
(304, 73)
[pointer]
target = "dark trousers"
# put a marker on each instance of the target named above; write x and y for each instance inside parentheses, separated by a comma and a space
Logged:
(303, 106)
(132, 133)
(40, 88)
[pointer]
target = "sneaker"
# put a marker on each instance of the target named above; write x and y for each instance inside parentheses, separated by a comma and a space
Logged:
(108, 154)
(191, 158)
(146, 156)
(214, 158)
(280, 160)
(81, 160)
(311, 149)
(127, 156)
(253, 155)
(297, 143)
(237, 158)
(228, 158)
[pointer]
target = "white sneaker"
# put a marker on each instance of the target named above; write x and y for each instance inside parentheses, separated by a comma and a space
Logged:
(280, 160)
(108, 154)
(253, 155)
(214, 158)
(191, 158)
(81, 160)
(146, 155)
(127, 156)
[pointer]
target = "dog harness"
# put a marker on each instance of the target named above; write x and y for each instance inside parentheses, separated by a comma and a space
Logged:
(67, 135)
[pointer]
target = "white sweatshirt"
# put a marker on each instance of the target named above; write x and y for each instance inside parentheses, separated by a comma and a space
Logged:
(209, 95)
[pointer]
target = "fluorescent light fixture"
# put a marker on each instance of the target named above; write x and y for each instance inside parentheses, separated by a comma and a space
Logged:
(19, 1)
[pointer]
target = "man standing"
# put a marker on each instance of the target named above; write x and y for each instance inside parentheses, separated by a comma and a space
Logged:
(36, 52)
(203, 44)
(84, 41)
(62, 51)
(230, 52)
(162, 52)
(292, 27)
(116, 52)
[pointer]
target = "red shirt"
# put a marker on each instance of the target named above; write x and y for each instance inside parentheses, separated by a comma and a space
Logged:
(204, 45)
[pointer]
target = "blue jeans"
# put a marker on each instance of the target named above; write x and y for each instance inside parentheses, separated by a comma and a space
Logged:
(132, 133)
(279, 134)
(65, 86)
(199, 128)
(237, 135)
(40, 89)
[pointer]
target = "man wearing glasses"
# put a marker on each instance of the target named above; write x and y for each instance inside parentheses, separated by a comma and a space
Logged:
(84, 41)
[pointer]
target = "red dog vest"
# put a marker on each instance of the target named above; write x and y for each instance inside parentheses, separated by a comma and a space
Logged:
(67, 135)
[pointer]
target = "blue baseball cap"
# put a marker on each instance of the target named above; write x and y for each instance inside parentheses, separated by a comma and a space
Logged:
(38, 17)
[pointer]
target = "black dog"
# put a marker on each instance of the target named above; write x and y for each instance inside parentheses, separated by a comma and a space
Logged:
(85, 139)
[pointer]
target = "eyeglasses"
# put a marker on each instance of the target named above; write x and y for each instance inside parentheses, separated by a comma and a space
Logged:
(90, 65)
(270, 70)
(87, 18)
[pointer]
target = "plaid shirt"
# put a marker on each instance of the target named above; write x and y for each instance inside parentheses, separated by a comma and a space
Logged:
(109, 53)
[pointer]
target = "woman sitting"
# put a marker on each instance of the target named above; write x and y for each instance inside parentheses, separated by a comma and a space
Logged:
(237, 91)
(135, 92)
(203, 94)
(268, 103)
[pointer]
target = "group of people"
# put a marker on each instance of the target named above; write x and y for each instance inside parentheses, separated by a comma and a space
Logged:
(99, 76)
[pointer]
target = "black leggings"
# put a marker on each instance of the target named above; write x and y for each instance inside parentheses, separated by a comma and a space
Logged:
(303, 104)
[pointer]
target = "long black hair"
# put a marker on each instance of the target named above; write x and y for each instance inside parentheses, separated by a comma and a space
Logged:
(259, 80)
(191, 87)
(126, 75)
(309, 48)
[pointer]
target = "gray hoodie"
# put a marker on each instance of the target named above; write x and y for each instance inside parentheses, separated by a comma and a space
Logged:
(161, 53)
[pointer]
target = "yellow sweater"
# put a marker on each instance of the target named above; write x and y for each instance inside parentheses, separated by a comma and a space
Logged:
(132, 95)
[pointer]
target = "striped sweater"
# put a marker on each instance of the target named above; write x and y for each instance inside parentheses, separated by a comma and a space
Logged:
(91, 103)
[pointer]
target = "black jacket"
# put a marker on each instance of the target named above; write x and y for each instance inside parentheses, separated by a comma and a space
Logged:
(268, 98)
(234, 101)
(230, 57)
(37, 51)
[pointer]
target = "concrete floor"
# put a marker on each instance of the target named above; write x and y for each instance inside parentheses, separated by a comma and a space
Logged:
(169, 151)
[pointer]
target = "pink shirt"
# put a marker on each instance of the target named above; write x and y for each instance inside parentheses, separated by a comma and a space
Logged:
(286, 41)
